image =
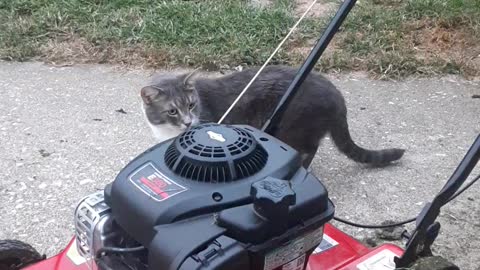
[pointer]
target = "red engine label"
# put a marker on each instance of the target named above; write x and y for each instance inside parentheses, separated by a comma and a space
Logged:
(155, 184)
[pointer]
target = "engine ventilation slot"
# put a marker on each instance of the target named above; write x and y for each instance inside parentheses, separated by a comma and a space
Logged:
(213, 153)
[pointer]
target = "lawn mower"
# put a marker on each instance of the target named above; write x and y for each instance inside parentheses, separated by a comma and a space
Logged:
(230, 197)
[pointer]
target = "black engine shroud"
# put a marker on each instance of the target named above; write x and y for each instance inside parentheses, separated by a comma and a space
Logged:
(220, 197)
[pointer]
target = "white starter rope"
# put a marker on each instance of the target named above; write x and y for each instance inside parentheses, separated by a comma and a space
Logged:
(266, 62)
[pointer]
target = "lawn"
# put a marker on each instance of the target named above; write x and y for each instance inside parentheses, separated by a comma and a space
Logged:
(388, 38)
(164, 32)
(397, 38)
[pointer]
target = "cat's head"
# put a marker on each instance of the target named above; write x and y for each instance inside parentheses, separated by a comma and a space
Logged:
(171, 103)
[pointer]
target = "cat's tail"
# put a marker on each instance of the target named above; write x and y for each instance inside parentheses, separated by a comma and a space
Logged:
(342, 139)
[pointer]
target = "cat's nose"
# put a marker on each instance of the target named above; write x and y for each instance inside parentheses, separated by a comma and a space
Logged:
(187, 124)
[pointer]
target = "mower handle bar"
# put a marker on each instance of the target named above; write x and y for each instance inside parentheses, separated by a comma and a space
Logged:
(461, 173)
(275, 118)
(427, 228)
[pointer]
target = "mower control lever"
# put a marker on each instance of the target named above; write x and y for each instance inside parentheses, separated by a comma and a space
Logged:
(275, 118)
(427, 228)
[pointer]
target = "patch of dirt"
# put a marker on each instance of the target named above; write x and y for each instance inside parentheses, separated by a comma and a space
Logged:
(322, 8)
(80, 51)
(304, 49)
(333, 58)
(435, 41)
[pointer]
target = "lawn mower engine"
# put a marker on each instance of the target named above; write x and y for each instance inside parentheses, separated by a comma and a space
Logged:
(215, 197)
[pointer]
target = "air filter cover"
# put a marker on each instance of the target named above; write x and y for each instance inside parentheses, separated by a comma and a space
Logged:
(215, 154)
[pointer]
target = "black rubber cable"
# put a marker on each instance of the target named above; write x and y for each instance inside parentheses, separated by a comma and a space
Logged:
(118, 250)
(374, 226)
(405, 221)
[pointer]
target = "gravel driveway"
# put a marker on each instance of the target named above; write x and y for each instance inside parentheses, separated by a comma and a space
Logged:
(65, 132)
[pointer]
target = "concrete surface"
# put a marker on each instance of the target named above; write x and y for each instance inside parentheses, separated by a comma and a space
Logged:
(62, 137)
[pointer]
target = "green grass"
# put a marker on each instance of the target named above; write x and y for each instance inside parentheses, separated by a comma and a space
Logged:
(190, 32)
(379, 36)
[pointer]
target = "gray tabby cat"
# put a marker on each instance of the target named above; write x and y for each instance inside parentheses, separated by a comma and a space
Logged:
(173, 103)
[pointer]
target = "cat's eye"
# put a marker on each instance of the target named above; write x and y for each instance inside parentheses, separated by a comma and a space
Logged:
(191, 105)
(172, 112)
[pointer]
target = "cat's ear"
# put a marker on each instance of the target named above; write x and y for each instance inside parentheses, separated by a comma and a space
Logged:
(149, 93)
(187, 80)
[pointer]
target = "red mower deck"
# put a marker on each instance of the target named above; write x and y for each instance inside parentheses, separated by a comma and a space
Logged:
(338, 251)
